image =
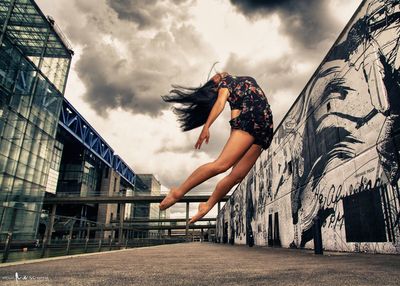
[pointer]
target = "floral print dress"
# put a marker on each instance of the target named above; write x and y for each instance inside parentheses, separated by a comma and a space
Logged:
(255, 116)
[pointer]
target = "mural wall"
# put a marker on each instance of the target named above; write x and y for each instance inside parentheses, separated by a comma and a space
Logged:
(335, 155)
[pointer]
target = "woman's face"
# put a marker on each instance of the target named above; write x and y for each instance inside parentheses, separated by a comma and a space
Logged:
(217, 78)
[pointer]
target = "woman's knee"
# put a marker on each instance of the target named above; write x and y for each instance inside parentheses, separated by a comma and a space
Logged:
(221, 166)
(237, 177)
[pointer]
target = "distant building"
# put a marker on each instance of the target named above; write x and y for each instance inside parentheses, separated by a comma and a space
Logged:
(88, 166)
(148, 210)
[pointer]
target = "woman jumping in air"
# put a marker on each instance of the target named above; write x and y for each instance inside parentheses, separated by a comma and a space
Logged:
(251, 132)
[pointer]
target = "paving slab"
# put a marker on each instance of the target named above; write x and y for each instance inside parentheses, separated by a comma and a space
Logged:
(206, 263)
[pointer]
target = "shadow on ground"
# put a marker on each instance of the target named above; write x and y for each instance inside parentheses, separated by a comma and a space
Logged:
(205, 263)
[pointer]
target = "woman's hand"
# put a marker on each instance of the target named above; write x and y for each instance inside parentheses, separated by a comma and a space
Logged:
(205, 134)
(217, 108)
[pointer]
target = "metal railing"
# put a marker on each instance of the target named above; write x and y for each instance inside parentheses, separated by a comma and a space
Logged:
(59, 235)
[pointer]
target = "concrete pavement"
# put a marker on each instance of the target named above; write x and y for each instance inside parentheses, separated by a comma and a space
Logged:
(208, 264)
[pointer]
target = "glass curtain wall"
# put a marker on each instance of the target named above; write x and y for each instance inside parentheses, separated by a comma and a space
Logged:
(34, 64)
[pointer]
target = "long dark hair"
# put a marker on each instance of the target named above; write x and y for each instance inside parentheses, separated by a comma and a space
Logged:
(196, 103)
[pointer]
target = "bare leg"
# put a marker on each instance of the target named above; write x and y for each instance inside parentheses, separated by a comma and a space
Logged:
(224, 186)
(238, 143)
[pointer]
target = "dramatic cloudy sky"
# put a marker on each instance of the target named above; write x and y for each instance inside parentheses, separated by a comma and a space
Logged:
(129, 52)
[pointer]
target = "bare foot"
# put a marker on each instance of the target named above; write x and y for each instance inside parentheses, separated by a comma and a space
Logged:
(204, 208)
(170, 199)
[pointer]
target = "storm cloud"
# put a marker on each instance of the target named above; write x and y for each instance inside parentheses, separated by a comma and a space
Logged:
(307, 22)
(149, 13)
(132, 51)
(129, 60)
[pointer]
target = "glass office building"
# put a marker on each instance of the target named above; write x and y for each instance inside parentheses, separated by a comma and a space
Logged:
(34, 64)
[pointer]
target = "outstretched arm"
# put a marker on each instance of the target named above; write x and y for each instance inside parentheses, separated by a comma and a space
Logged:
(216, 110)
(219, 105)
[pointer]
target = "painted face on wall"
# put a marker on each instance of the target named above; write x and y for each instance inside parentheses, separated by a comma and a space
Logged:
(370, 45)
(323, 139)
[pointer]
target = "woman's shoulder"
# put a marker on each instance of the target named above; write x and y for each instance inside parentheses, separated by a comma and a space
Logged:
(235, 78)
(228, 76)
(228, 79)
(246, 77)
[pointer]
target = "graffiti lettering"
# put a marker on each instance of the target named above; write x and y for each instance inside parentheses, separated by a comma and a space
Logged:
(336, 220)
(331, 198)
(365, 172)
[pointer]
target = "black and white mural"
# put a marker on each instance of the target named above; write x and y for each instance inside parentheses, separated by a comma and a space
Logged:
(336, 154)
